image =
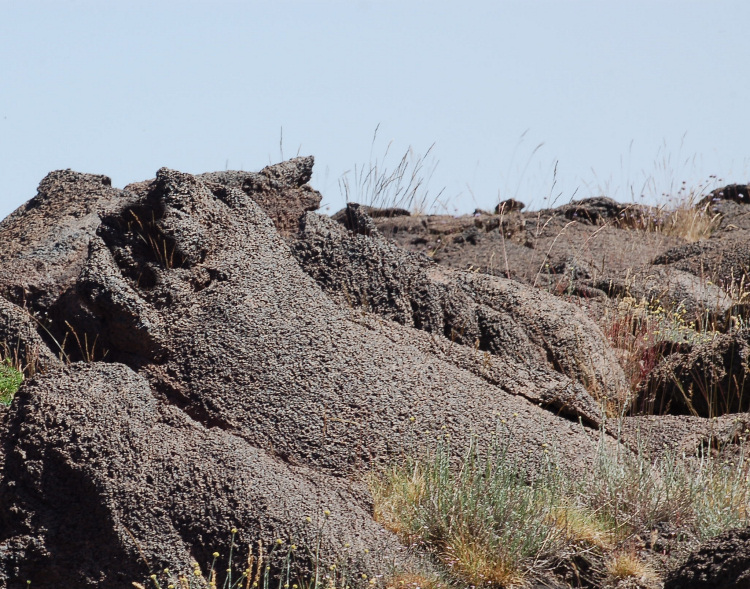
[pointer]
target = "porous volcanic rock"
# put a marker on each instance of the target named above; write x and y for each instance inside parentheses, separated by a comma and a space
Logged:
(282, 190)
(106, 478)
(208, 351)
(592, 249)
(686, 434)
(722, 562)
(45, 241)
(723, 258)
(595, 238)
(502, 317)
(372, 212)
(706, 378)
(674, 290)
(20, 340)
(739, 193)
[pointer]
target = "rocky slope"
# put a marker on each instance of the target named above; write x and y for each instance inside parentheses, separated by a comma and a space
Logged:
(211, 353)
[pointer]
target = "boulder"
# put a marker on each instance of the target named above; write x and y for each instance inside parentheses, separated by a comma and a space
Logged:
(572, 341)
(724, 259)
(509, 205)
(45, 241)
(674, 290)
(20, 340)
(281, 190)
(372, 212)
(706, 377)
(723, 562)
(739, 193)
(686, 435)
(108, 484)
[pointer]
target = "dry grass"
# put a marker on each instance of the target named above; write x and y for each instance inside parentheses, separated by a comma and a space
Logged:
(677, 218)
(484, 523)
(625, 564)
(404, 185)
(643, 332)
(468, 559)
(581, 526)
(481, 523)
(412, 580)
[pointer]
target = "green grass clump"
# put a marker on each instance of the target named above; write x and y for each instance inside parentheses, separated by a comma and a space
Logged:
(482, 521)
(634, 490)
(10, 380)
(487, 522)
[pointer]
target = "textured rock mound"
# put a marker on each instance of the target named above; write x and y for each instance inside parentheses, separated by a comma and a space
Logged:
(597, 252)
(222, 386)
(721, 562)
(504, 318)
(282, 191)
(706, 378)
(101, 478)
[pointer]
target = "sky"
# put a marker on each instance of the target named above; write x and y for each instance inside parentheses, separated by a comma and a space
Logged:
(543, 101)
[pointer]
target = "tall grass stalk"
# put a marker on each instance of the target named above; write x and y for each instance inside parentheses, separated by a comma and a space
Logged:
(404, 186)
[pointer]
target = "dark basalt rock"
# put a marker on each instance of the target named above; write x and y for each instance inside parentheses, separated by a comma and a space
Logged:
(105, 484)
(222, 386)
(722, 562)
(509, 320)
(739, 193)
(509, 205)
(705, 378)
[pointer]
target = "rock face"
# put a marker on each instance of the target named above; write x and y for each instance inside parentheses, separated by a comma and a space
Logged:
(721, 562)
(92, 451)
(196, 377)
(592, 248)
(282, 191)
(706, 378)
(597, 252)
(207, 352)
(492, 314)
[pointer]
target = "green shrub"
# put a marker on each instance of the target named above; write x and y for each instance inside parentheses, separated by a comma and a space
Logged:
(10, 380)
(487, 522)
(482, 521)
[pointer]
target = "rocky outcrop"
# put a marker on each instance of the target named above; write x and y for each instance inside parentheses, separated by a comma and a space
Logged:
(707, 377)
(722, 562)
(501, 317)
(221, 385)
(206, 352)
(106, 483)
(20, 339)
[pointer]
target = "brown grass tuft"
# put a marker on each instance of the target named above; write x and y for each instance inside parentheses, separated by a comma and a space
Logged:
(628, 565)
(580, 526)
(469, 560)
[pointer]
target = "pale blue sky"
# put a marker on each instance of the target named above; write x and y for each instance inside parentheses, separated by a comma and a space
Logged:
(615, 91)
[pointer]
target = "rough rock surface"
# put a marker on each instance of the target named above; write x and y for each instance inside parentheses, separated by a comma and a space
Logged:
(20, 340)
(105, 478)
(502, 317)
(45, 242)
(685, 434)
(673, 289)
(591, 248)
(282, 191)
(706, 378)
(222, 386)
(210, 354)
(722, 562)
